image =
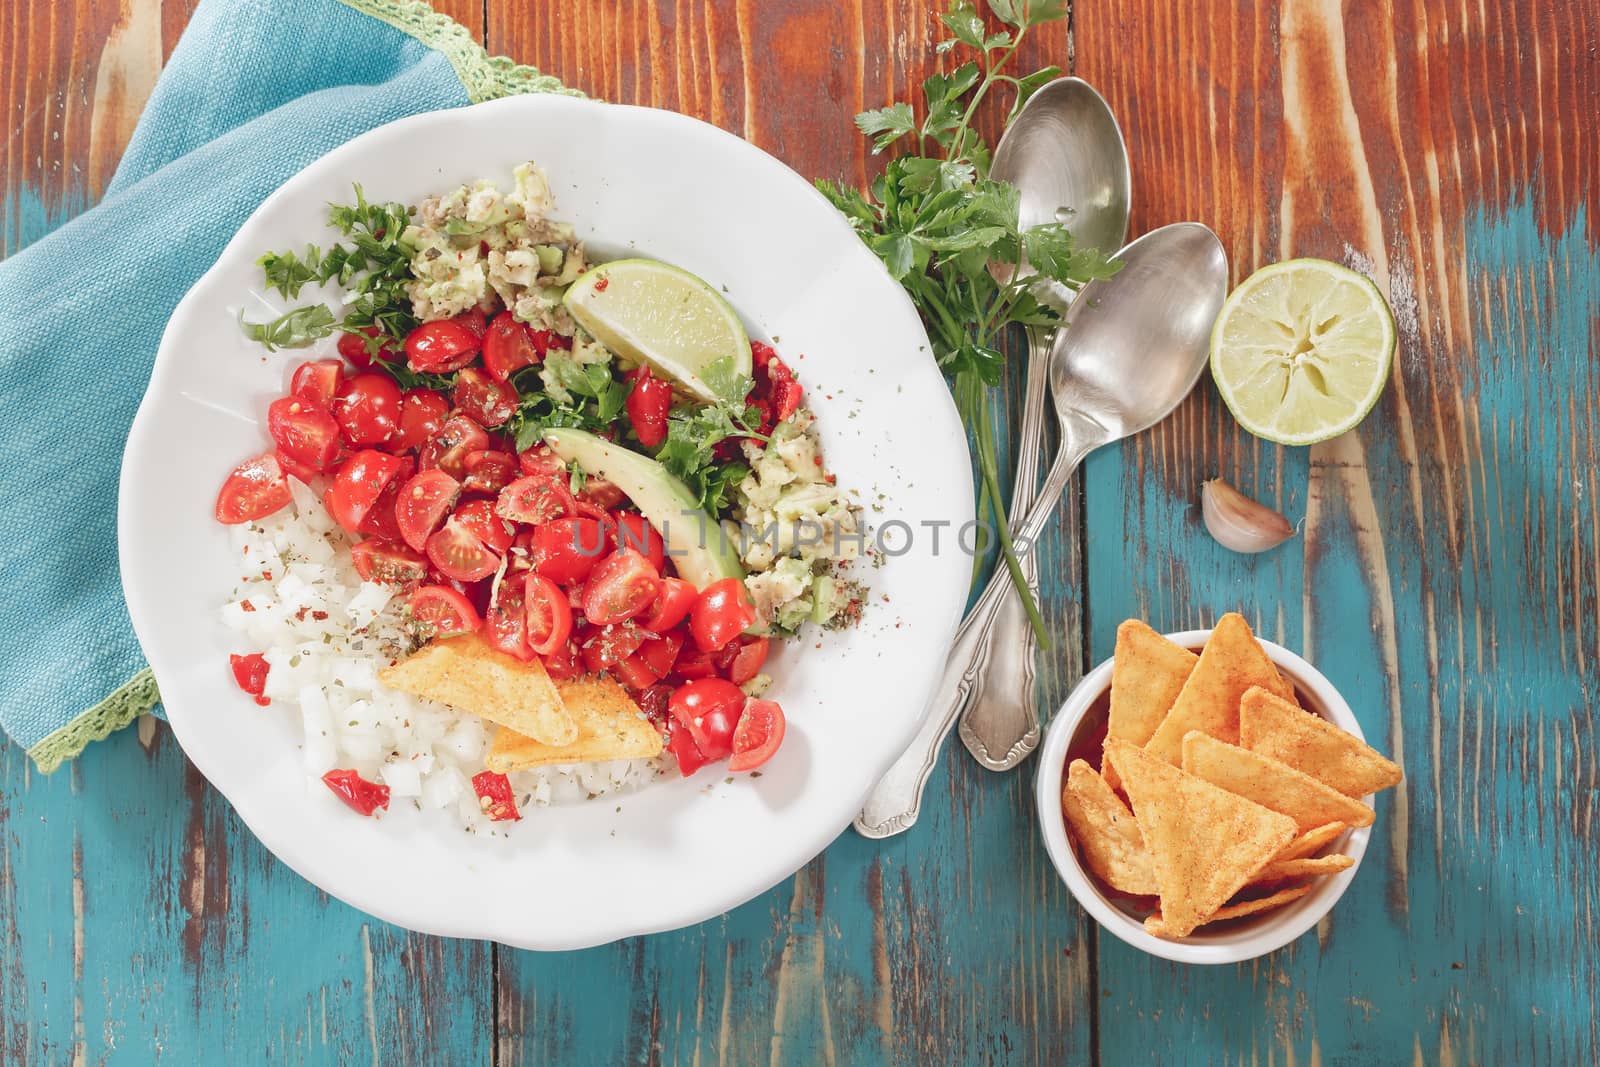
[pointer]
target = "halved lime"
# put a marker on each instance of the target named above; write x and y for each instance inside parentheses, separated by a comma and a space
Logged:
(1301, 350)
(652, 312)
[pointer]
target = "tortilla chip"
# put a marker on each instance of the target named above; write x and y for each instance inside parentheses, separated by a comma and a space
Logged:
(1230, 663)
(1290, 870)
(610, 726)
(1311, 744)
(1147, 673)
(1106, 833)
(1310, 841)
(1270, 783)
(1205, 842)
(469, 675)
(1157, 926)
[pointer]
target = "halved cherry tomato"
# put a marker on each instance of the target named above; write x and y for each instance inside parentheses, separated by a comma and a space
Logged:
(422, 505)
(488, 471)
(422, 415)
(370, 343)
(380, 520)
(473, 319)
(359, 795)
(495, 797)
(634, 531)
(674, 600)
(441, 347)
(648, 403)
(506, 621)
(317, 381)
(387, 561)
(710, 708)
(680, 742)
(508, 347)
(253, 490)
(478, 516)
(566, 550)
(358, 485)
(535, 499)
(458, 438)
(621, 586)
(602, 493)
(458, 553)
(635, 673)
(488, 402)
(549, 615)
(297, 470)
(605, 646)
(563, 664)
(749, 660)
(251, 674)
(758, 735)
(661, 653)
(777, 390)
(694, 663)
(722, 613)
(368, 409)
(304, 432)
(541, 460)
(440, 610)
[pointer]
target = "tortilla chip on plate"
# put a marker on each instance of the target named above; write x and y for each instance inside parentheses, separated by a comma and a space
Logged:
(1205, 842)
(1157, 926)
(1106, 832)
(610, 726)
(1309, 743)
(1231, 663)
(1310, 841)
(1147, 673)
(469, 675)
(1270, 783)
(1289, 870)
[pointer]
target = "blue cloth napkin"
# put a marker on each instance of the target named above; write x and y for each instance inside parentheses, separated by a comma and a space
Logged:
(253, 92)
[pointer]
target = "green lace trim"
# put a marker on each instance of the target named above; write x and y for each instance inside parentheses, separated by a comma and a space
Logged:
(485, 77)
(132, 699)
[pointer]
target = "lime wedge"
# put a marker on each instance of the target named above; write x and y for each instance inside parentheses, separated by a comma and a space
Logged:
(1301, 350)
(652, 312)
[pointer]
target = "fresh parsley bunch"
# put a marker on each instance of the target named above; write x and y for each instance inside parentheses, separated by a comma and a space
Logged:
(938, 221)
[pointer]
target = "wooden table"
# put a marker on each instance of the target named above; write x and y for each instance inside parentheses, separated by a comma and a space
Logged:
(1445, 578)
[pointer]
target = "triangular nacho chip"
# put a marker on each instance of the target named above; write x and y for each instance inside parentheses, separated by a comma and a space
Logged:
(1310, 743)
(1158, 927)
(1230, 663)
(1293, 870)
(1311, 841)
(1147, 673)
(1106, 832)
(610, 726)
(1205, 842)
(1270, 783)
(467, 674)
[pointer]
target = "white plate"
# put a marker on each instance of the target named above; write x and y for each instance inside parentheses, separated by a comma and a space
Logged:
(678, 851)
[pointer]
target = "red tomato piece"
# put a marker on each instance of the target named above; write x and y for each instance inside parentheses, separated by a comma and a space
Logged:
(456, 552)
(422, 505)
(253, 490)
(488, 471)
(605, 646)
(304, 433)
(473, 319)
(695, 663)
(549, 615)
(380, 520)
(458, 438)
(621, 586)
(680, 742)
(368, 409)
(317, 381)
(660, 654)
(422, 415)
(541, 460)
(506, 621)
(635, 673)
(563, 664)
(566, 550)
(508, 346)
(634, 531)
(648, 403)
(758, 735)
(358, 485)
(359, 795)
(488, 402)
(369, 343)
(251, 674)
(535, 499)
(723, 612)
(747, 663)
(441, 347)
(674, 600)
(478, 516)
(653, 702)
(602, 493)
(709, 708)
(495, 797)
(388, 561)
(441, 610)
(297, 470)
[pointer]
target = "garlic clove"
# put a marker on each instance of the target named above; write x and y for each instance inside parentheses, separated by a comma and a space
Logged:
(1239, 523)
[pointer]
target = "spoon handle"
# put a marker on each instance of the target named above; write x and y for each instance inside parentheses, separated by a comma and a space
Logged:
(896, 801)
(1000, 724)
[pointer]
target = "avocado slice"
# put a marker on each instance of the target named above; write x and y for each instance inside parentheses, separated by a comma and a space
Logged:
(695, 541)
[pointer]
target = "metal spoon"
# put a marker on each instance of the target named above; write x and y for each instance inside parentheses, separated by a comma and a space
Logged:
(1137, 345)
(1065, 154)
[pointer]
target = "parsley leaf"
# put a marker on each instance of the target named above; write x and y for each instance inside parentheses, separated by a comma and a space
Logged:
(294, 329)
